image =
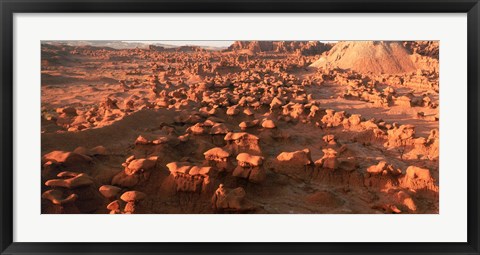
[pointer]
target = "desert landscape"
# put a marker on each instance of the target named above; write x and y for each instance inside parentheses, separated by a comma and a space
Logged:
(263, 127)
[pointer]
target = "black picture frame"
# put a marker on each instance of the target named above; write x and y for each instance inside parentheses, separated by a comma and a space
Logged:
(9, 7)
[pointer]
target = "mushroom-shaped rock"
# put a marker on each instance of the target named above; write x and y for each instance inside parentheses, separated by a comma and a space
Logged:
(218, 158)
(136, 171)
(269, 124)
(329, 159)
(233, 110)
(209, 123)
(141, 140)
(143, 164)
(59, 204)
(179, 167)
(204, 111)
(190, 178)
(115, 207)
(216, 154)
(71, 183)
(248, 124)
(133, 196)
(67, 174)
(219, 129)
(56, 197)
(249, 167)
(67, 158)
(224, 199)
(199, 170)
(247, 160)
(197, 129)
(296, 163)
(301, 157)
(89, 198)
(238, 136)
(242, 142)
(124, 180)
(109, 191)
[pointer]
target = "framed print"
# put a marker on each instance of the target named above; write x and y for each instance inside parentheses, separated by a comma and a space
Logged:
(255, 127)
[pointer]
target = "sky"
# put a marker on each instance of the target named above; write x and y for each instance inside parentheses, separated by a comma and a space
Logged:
(124, 44)
(196, 43)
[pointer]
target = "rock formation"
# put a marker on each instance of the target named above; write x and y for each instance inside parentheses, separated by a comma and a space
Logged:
(257, 127)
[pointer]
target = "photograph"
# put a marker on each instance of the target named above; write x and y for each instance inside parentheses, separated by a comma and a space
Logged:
(239, 127)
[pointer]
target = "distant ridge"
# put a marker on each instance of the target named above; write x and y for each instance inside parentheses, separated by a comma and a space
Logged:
(116, 44)
(301, 47)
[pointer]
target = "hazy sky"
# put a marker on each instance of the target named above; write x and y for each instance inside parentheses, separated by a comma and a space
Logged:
(124, 44)
(197, 43)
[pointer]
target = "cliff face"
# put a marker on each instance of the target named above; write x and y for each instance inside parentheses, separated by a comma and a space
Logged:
(299, 47)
